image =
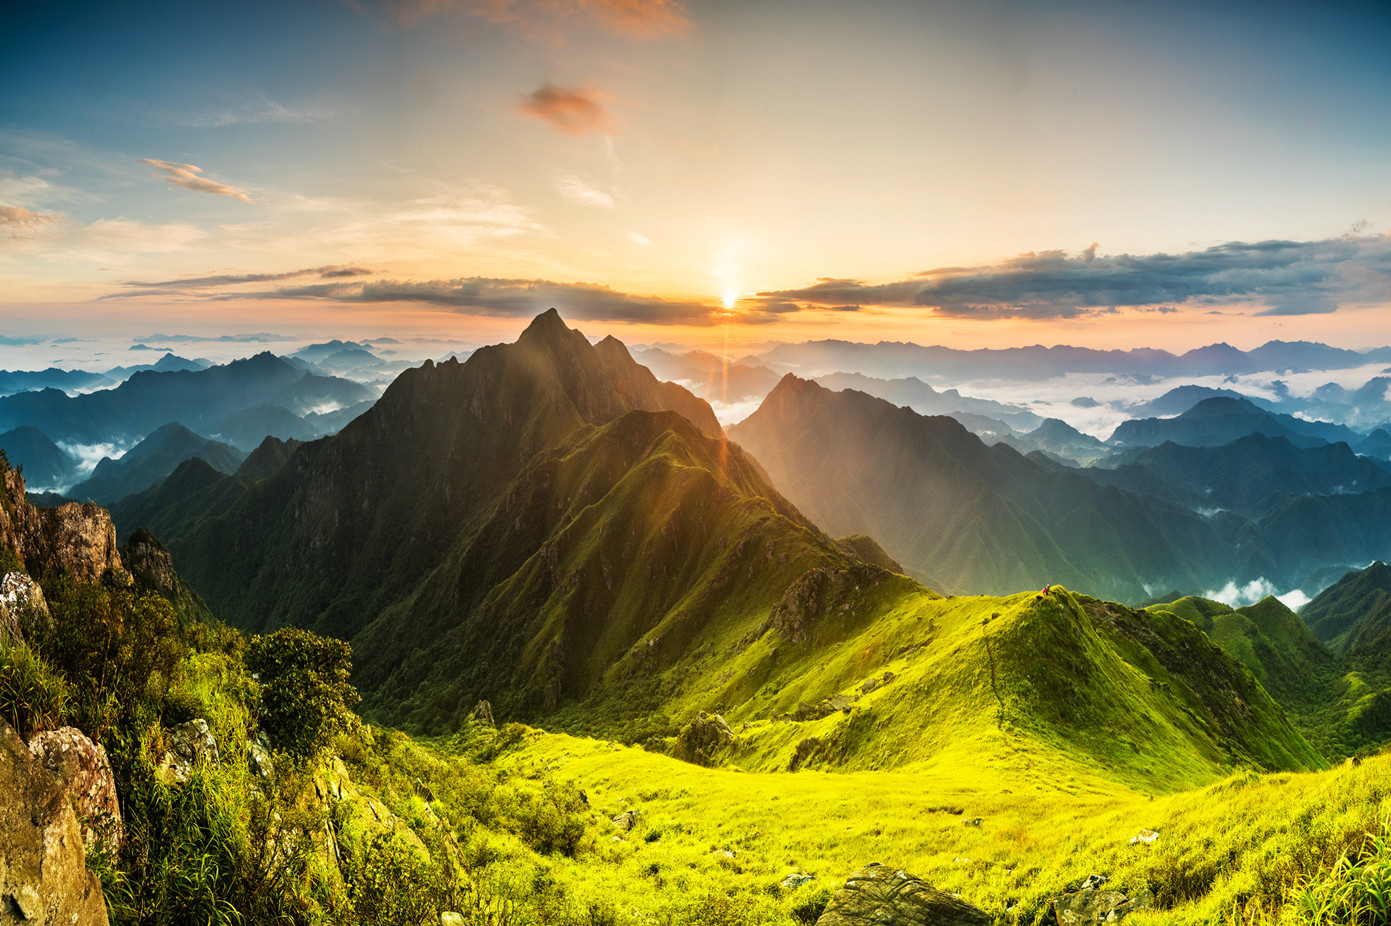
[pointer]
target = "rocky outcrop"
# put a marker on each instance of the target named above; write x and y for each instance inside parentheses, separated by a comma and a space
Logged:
(188, 744)
(1092, 904)
(82, 768)
(43, 870)
(878, 895)
(75, 538)
(21, 602)
(703, 740)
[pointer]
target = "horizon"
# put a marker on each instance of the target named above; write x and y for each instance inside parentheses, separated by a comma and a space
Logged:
(707, 173)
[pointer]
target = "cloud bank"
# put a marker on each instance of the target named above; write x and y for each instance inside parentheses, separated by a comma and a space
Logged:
(17, 217)
(1273, 277)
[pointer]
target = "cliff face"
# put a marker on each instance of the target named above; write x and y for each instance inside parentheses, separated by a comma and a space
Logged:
(78, 538)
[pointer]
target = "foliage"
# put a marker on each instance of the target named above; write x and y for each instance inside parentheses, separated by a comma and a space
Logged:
(305, 694)
(32, 696)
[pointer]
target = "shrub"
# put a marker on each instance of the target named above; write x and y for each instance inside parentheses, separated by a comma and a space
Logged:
(306, 697)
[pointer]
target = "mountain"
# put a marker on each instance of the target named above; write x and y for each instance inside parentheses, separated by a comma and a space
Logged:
(12, 381)
(150, 461)
(1376, 445)
(534, 528)
(198, 398)
(1221, 420)
(1270, 640)
(708, 376)
(984, 519)
(246, 428)
(1355, 611)
(1250, 475)
(889, 360)
(1181, 398)
(1059, 440)
(46, 465)
(169, 363)
(922, 398)
(267, 459)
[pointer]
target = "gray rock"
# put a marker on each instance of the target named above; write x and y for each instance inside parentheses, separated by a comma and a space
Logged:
(879, 895)
(21, 604)
(81, 766)
(189, 743)
(703, 740)
(627, 820)
(258, 756)
(1093, 905)
(43, 869)
(796, 880)
(824, 708)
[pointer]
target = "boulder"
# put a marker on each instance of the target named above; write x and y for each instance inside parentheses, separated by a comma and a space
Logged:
(78, 539)
(878, 895)
(1094, 905)
(43, 868)
(81, 766)
(796, 880)
(188, 743)
(626, 820)
(703, 739)
(21, 602)
(825, 708)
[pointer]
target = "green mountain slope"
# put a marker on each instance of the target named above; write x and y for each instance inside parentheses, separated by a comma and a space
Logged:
(1354, 611)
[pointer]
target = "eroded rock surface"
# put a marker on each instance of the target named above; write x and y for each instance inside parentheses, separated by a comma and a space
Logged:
(43, 871)
(880, 895)
(82, 768)
(21, 602)
(77, 538)
(703, 740)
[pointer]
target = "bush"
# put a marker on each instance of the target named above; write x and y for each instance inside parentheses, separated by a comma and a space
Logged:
(306, 697)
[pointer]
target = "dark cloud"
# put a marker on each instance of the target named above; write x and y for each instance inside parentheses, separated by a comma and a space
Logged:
(572, 110)
(1280, 277)
(639, 19)
(190, 178)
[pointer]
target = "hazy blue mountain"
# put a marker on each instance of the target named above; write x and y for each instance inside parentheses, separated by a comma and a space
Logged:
(707, 375)
(1376, 445)
(1060, 440)
(1221, 420)
(198, 398)
(46, 466)
(925, 400)
(169, 363)
(150, 461)
(1181, 398)
(246, 428)
(1250, 475)
(892, 360)
(13, 381)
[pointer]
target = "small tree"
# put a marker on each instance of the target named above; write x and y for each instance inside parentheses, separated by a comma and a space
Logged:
(305, 694)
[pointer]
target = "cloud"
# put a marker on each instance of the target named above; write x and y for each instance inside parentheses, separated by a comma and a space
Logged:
(638, 19)
(581, 190)
(17, 217)
(571, 110)
(327, 273)
(1275, 277)
(640, 240)
(187, 176)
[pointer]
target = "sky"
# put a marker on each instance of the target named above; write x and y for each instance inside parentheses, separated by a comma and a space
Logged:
(709, 172)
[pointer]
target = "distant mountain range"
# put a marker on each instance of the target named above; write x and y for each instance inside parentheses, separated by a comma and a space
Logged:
(891, 360)
(149, 462)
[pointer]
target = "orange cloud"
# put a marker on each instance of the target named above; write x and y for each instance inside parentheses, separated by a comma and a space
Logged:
(187, 176)
(568, 109)
(639, 19)
(19, 217)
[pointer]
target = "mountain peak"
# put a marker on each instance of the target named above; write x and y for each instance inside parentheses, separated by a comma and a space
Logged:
(545, 327)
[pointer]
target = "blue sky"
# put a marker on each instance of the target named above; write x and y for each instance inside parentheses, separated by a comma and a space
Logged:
(684, 170)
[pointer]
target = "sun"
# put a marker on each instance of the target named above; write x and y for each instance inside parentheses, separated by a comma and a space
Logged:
(729, 299)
